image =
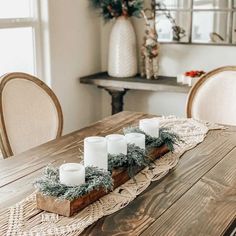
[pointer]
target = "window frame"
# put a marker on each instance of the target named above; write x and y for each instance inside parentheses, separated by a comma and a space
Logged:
(34, 23)
(231, 11)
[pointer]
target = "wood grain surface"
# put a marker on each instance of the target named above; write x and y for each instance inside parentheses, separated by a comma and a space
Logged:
(197, 198)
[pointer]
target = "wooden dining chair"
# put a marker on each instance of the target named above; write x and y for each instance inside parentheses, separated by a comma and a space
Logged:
(213, 97)
(30, 113)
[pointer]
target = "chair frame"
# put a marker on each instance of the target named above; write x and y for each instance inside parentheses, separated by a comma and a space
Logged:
(200, 82)
(4, 140)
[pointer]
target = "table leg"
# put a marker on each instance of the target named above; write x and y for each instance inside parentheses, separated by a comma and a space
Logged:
(116, 99)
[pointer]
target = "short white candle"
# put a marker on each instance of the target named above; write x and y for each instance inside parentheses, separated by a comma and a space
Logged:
(150, 126)
(95, 152)
(116, 144)
(186, 79)
(72, 174)
(180, 78)
(137, 139)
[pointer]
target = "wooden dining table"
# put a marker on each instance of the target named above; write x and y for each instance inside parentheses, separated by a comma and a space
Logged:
(198, 197)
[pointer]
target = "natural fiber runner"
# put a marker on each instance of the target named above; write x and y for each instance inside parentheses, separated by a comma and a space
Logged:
(24, 219)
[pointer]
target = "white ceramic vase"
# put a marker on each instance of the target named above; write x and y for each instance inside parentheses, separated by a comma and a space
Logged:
(122, 61)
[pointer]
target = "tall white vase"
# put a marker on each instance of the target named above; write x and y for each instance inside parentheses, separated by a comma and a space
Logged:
(122, 61)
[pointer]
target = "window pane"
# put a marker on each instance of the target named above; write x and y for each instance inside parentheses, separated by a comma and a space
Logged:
(211, 4)
(164, 26)
(210, 27)
(175, 4)
(15, 8)
(17, 50)
(234, 4)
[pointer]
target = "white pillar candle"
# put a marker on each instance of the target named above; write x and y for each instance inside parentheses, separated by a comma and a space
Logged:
(137, 139)
(180, 78)
(95, 152)
(186, 79)
(116, 144)
(150, 126)
(72, 174)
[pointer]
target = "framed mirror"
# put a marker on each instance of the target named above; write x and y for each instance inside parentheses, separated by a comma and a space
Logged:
(196, 21)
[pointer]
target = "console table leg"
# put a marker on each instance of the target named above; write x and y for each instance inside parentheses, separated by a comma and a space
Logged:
(116, 99)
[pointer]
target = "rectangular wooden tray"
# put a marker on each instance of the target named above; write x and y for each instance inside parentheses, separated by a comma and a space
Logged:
(68, 208)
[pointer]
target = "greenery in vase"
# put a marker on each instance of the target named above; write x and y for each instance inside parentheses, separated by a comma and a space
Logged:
(110, 9)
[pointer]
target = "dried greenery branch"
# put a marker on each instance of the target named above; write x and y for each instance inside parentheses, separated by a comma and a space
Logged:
(178, 31)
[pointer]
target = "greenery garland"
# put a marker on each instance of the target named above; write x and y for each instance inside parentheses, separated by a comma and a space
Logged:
(49, 184)
(166, 136)
(110, 9)
(136, 156)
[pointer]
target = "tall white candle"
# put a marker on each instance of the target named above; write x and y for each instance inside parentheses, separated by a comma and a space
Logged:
(95, 152)
(137, 139)
(72, 174)
(116, 144)
(150, 126)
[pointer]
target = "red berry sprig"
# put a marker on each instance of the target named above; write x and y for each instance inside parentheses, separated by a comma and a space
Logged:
(194, 73)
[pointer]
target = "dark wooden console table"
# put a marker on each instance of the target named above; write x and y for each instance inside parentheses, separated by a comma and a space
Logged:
(117, 87)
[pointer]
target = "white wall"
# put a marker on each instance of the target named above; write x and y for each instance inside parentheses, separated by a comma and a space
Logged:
(75, 51)
(175, 59)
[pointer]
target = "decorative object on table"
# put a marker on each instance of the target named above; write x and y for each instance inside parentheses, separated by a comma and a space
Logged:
(72, 174)
(69, 202)
(95, 152)
(166, 136)
(116, 144)
(136, 138)
(150, 47)
(24, 218)
(150, 126)
(190, 77)
(56, 197)
(122, 60)
(177, 31)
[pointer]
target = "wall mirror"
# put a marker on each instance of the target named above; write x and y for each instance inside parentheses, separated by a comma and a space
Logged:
(196, 21)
